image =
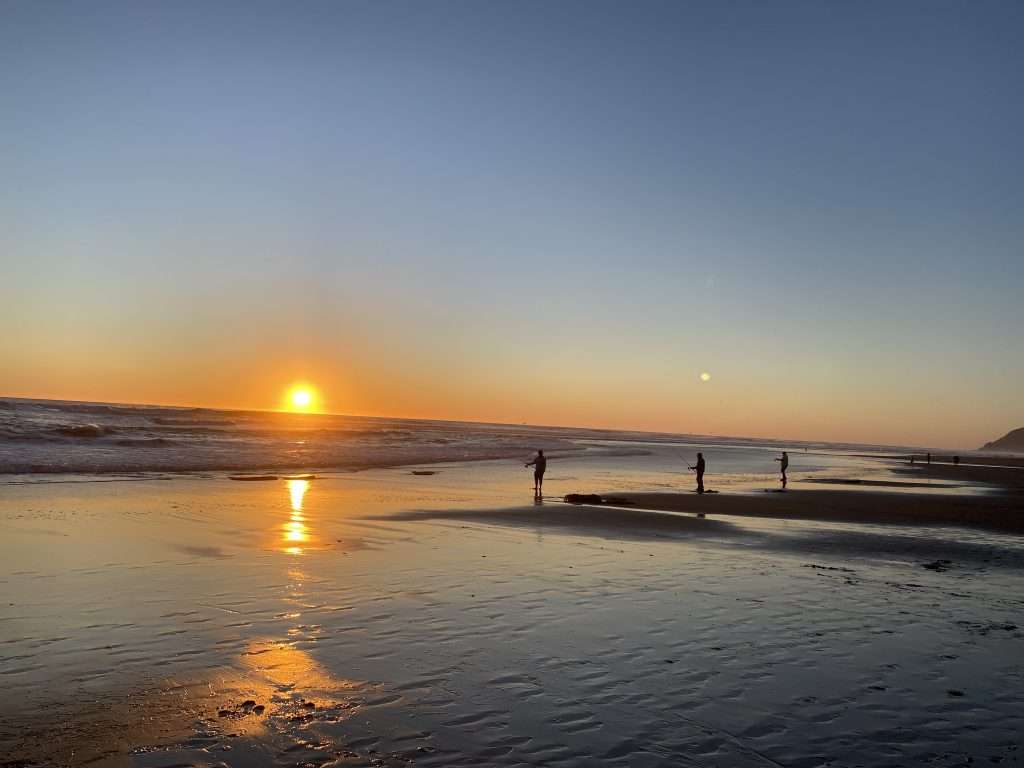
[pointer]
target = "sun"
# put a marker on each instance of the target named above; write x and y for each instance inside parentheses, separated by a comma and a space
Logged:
(300, 398)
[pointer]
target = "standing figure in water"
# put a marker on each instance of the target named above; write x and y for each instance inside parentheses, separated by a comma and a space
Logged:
(699, 467)
(539, 464)
(783, 465)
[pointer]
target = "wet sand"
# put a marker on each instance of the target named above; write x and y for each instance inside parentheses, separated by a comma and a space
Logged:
(999, 504)
(998, 511)
(388, 618)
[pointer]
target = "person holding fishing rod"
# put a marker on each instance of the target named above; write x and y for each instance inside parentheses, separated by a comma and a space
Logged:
(699, 467)
(539, 464)
(783, 466)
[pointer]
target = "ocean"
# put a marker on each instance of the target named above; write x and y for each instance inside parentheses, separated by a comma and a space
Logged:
(45, 437)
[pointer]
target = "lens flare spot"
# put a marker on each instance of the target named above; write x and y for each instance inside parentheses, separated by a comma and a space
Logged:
(705, 376)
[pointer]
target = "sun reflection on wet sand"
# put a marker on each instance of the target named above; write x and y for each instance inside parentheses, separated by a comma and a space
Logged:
(295, 532)
(297, 490)
(289, 669)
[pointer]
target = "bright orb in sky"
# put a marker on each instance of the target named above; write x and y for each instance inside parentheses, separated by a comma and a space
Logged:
(300, 398)
(705, 376)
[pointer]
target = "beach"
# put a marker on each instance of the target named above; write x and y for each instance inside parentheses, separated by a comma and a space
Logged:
(511, 384)
(435, 615)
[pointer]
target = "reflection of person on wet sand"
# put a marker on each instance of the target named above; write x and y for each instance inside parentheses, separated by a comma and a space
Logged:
(539, 464)
(699, 467)
(783, 465)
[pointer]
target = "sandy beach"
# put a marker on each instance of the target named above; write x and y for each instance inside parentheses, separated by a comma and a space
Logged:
(394, 617)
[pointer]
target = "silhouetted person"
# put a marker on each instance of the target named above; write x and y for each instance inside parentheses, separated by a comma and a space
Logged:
(928, 458)
(699, 466)
(539, 464)
(911, 459)
(783, 465)
(956, 460)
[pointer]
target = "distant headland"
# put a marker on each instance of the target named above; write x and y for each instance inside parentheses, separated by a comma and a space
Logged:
(1012, 442)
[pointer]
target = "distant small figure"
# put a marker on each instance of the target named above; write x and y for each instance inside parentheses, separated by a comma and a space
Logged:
(956, 460)
(783, 465)
(539, 464)
(911, 458)
(928, 458)
(699, 467)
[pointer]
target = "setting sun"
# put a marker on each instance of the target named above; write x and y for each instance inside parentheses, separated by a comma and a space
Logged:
(300, 398)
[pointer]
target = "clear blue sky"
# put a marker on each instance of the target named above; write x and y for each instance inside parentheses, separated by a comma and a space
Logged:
(547, 212)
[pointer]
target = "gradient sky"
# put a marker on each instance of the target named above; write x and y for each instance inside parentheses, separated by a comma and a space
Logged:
(556, 213)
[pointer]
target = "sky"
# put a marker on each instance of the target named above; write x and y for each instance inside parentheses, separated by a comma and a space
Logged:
(555, 213)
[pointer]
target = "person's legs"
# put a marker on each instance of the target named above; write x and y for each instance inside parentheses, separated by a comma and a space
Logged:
(540, 483)
(783, 478)
(700, 482)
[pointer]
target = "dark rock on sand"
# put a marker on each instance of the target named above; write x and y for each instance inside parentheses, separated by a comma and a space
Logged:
(593, 498)
(583, 498)
(938, 565)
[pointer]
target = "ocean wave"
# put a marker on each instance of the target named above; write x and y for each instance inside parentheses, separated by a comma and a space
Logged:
(84, 430)
(97, 408)
(165, 421)
(184, 430)
(97, 438)
(22, 435)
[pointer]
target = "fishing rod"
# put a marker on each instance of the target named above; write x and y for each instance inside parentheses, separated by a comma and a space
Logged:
(683, 459)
